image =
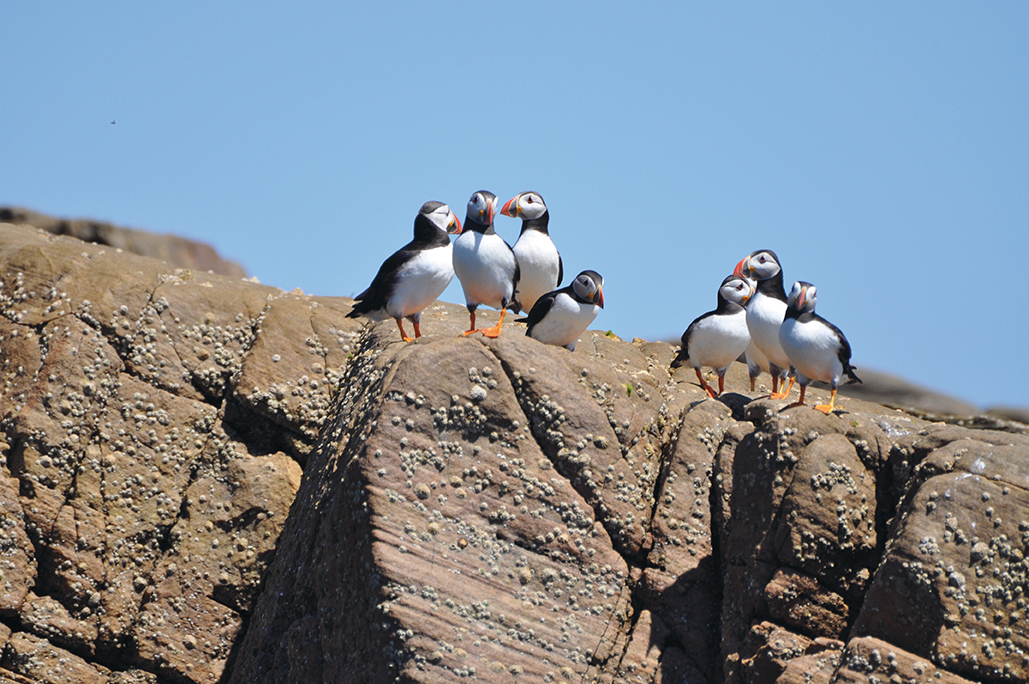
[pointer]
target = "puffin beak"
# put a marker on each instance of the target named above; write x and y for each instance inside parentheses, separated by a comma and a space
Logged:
(800, 299)
(490, 209)
(599, 297)
(455, 225)
(741, 268)
(509, 210)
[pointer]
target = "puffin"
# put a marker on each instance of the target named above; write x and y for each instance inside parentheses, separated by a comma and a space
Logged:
(416, 274)
(538, 258)
(485, 264)
(717, 338)
(756, 362)
(559, 317)
(817, 349)
(765, 311)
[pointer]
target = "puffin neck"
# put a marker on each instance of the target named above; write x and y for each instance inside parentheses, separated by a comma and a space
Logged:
(426, 232)
(727, 307)
(773, 287)
(539, 223)
(473, 224)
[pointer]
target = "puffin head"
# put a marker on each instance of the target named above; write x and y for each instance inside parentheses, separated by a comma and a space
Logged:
(760, 265)
(441, 217)
(802, 297)
(482, 207)
(737, 289)
(526, 205)
(589, 287)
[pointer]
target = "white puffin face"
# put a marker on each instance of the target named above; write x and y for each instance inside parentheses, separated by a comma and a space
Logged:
(802, 297)
(444, 219)
(737, 290)
(589, 286)
(530, 205)
(763, 265)
(482, 207)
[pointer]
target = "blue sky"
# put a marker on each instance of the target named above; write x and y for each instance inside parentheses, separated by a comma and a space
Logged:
(881, 149)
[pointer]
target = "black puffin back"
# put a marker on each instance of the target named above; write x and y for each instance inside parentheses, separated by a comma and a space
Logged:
(426, 236)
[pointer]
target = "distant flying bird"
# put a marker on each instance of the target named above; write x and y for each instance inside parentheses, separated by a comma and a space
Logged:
(485, 263)
(817, 348)
(416, 274)
(717, 338)
(538, 258)
(112, 122)
(765, 312)
(561, 316)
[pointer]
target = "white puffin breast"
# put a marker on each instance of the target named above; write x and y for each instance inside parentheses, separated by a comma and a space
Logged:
(566, 320)
(421, 281)
(756, 360)
(485, 266)
(813, 349)
(764, 316)
(538, 262)
(717, 341)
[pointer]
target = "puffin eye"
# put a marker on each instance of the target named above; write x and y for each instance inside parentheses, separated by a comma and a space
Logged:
(528, 200)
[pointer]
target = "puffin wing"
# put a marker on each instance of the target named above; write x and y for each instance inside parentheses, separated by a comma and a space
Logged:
(515, 305)
(684, 351)
(383, 283)
(539, 310)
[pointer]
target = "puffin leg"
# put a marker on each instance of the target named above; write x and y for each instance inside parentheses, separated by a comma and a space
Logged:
(471, 326)
(786, 392)
(721, 384)
(775, 384)
(799, 402)
(752, 379)
(403, 335)
(831, 406)
(495, 330)
(417, 330)
(703, 384)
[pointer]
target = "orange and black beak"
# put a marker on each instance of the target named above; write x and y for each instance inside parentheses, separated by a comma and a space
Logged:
(511, 207)
(801, 298)
(599, 297)
(454, 228)
(742, 268)
(486, 214)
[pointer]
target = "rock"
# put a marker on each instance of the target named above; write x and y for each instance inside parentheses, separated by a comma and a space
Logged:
(890, 390)
(868, 660)
(177, 251)
(952, 584)
(140, 507)
(205, 479)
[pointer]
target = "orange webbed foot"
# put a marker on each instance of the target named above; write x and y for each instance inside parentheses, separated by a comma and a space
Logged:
(830, 407)
(494, 332)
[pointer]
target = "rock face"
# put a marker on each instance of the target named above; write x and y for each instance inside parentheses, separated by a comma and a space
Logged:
(208, 480)
(177, 251)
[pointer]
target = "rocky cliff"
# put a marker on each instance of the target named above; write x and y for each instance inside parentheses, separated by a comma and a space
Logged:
(209, 480)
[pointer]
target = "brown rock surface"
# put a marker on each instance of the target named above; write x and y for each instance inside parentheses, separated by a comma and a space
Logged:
(177, 251)
(208, 480)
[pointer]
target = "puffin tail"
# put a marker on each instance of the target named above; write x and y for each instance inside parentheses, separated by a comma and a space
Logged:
(681, 359)
(851, 375)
